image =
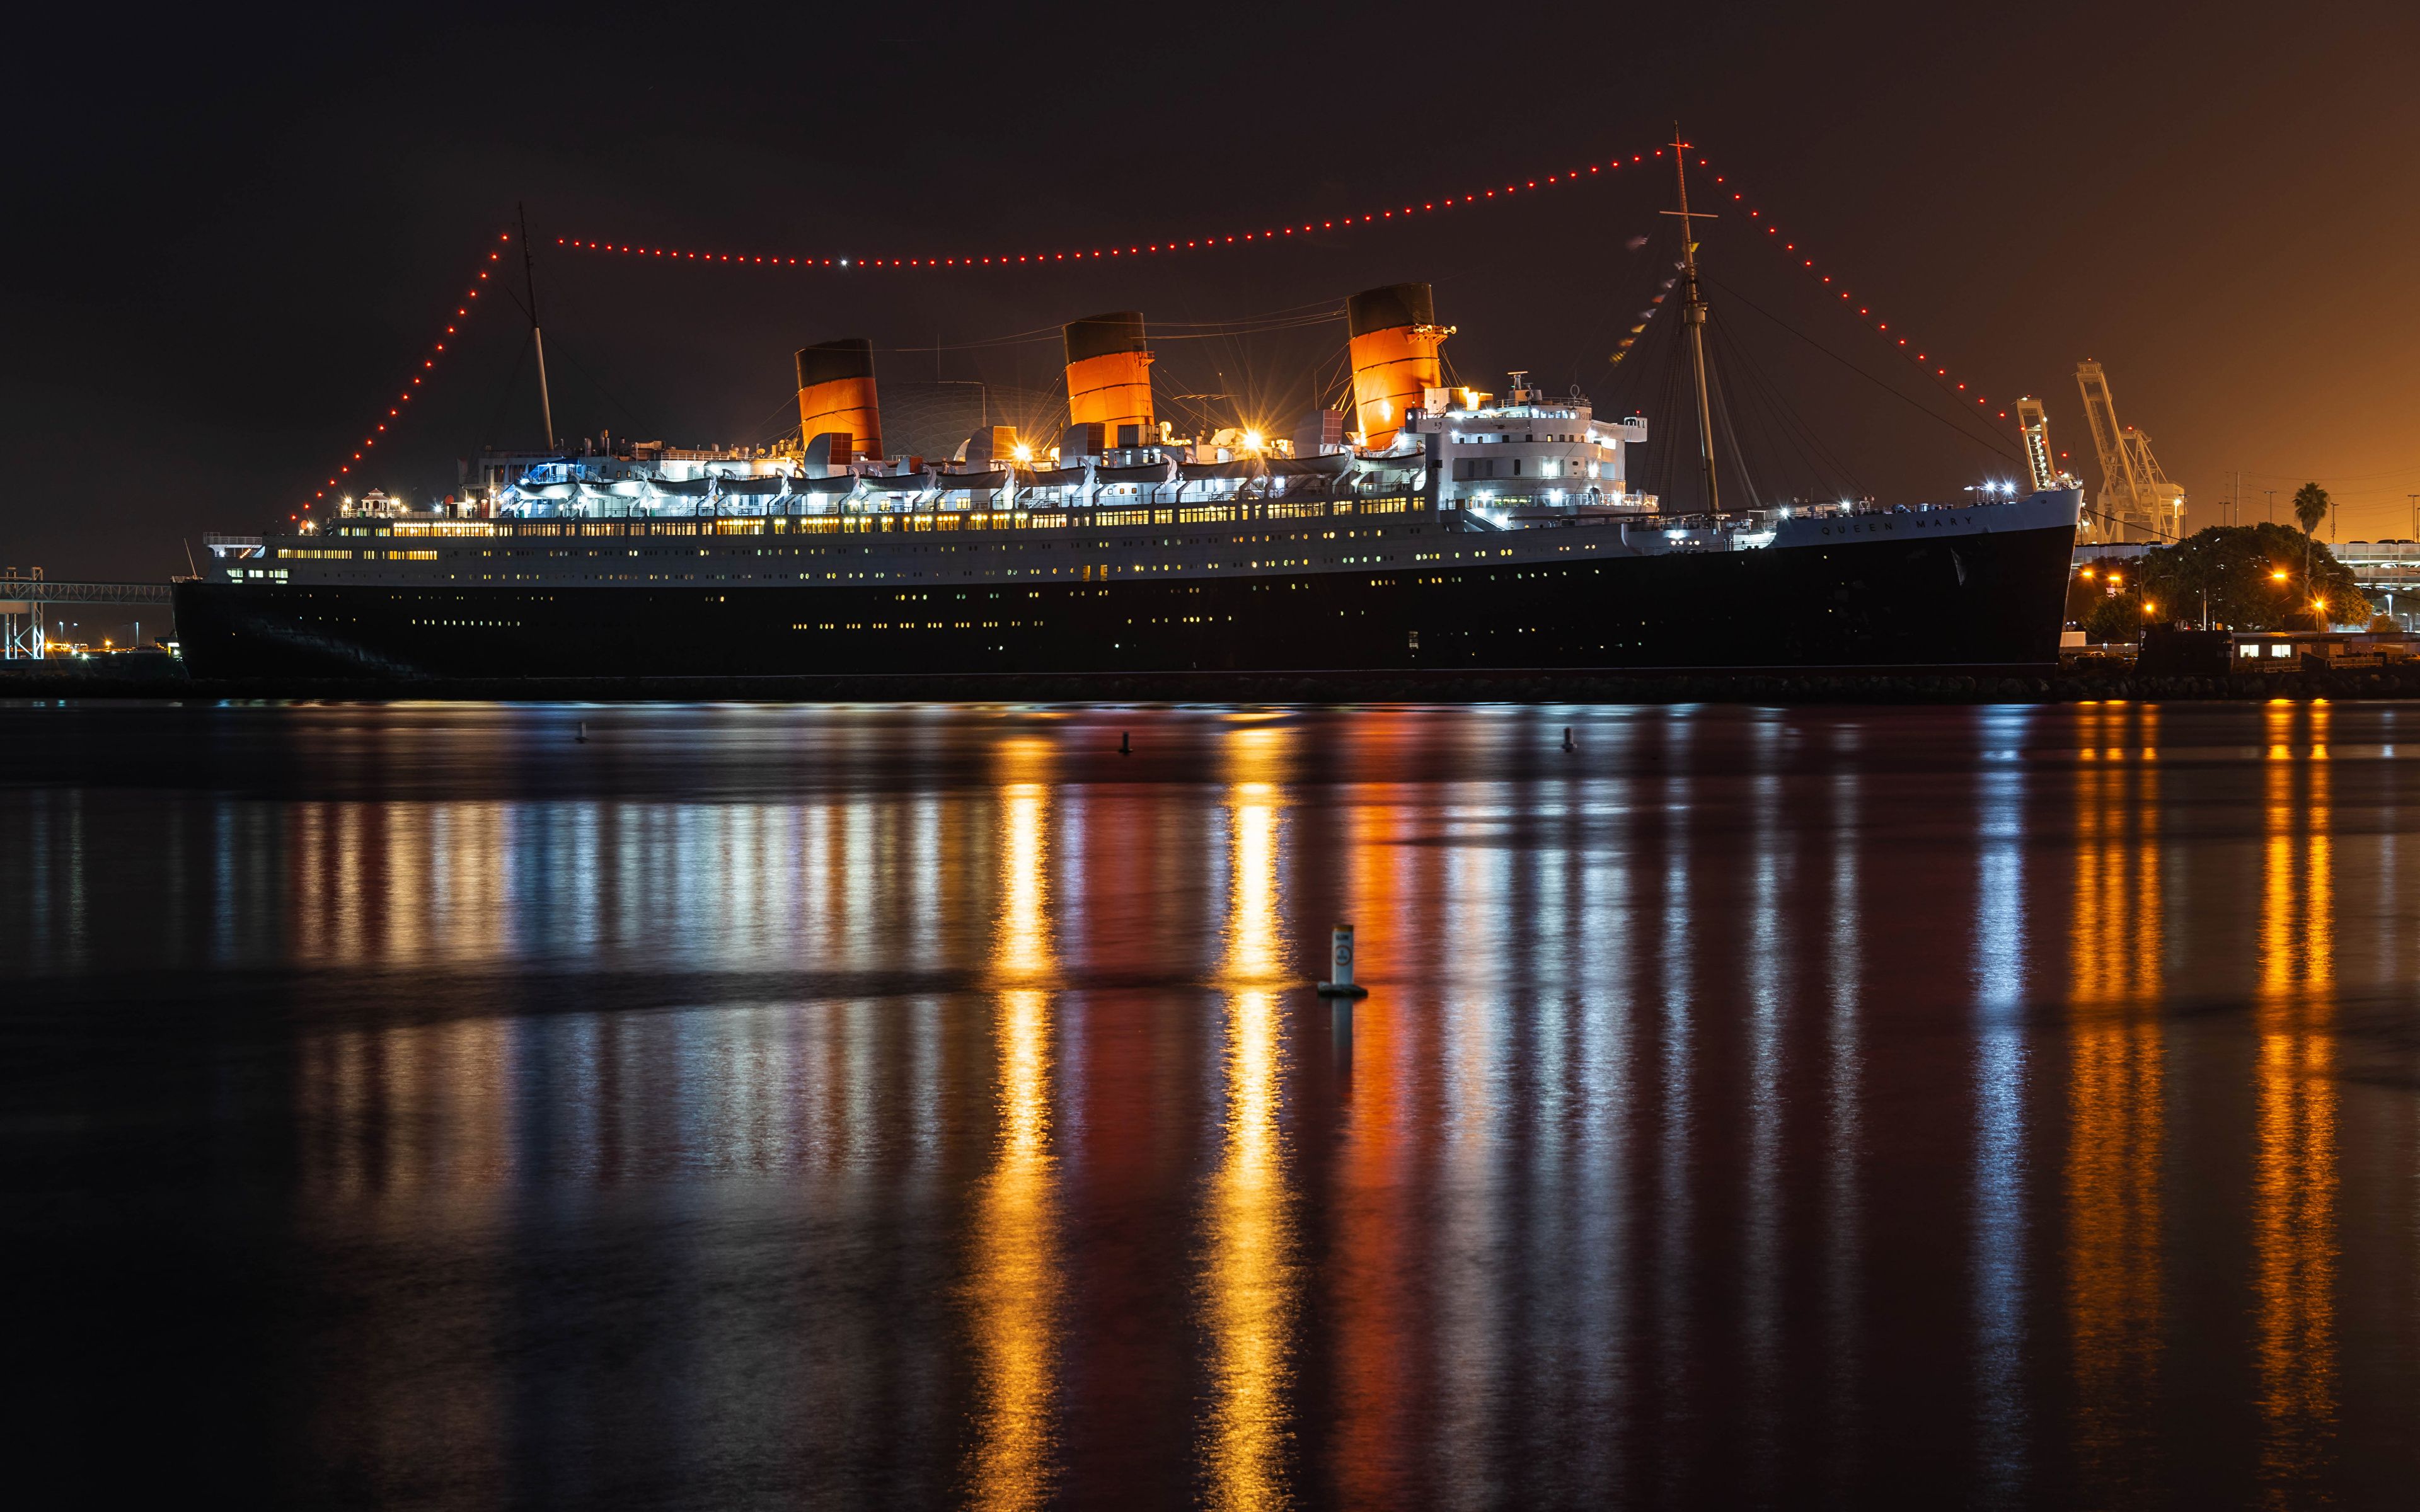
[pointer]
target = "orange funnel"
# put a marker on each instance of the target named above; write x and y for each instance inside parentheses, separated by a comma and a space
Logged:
(1395, 342)
(836, 397)
(1108, 378)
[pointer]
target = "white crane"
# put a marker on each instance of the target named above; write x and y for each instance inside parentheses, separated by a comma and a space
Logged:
(2137, 502)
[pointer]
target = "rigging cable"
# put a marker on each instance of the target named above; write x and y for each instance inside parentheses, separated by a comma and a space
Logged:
(1987, 441)
(1723, 407)
(1822, 463)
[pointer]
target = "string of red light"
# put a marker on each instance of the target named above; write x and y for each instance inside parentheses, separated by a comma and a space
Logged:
(427, 366)
(1924, 360)
(1927, 363)
(1266, 235)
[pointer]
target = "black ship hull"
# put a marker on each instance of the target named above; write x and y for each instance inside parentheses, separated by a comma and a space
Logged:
(1976, 601)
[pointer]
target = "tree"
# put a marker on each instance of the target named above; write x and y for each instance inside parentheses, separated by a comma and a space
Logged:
(2117, 618)
(2254, 576)
(2311, 503)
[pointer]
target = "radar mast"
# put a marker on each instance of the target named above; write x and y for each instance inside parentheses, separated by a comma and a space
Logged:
(1693, 315)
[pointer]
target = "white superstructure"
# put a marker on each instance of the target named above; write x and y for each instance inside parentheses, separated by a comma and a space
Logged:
(1532, 451)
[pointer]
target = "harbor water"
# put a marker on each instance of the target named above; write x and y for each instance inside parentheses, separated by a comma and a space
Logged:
(729, 1106)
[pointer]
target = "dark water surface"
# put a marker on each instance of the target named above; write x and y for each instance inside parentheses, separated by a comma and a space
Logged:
(754, 1106)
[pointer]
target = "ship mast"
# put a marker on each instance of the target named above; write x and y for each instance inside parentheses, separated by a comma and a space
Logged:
(528, 272)
(1693, 315)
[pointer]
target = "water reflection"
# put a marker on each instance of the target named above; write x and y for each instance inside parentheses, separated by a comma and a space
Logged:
(2001, 1070)
(1769, 986)
(1373, 1286)
(1251, 1276)
(1781, 1106)
(1467, 1255)
(1014, 1272)
(2117, 1104)
(1844, 1203)
(409, 1111)
(2294, 1185)
(1675, 1187)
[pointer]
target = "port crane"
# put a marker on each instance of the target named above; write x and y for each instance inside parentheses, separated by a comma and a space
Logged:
(2137, 502)
(2040, 472)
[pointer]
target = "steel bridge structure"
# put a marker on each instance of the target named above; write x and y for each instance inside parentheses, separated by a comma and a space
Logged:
(24, 603)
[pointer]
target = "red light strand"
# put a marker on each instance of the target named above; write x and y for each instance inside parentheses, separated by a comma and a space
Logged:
(1933, 368)
(1920, 355)
(462, 310)
(1926, 359)
(1262, 235)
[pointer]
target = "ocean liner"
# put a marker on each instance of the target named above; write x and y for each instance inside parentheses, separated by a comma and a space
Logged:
(1419, 527)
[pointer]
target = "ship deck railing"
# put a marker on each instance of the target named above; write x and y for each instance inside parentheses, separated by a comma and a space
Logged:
(1105, 516)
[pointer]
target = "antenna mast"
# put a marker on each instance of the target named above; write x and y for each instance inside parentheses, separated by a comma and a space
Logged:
(528, 272)
(1693, 315)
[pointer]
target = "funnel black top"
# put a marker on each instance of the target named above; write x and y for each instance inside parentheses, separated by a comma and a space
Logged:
(1097, 335)
(1383, 309)
(851, 357)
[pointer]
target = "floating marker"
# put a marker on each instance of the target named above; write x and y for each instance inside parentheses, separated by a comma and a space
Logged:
(1340, 959)
(582, 736)
(1567, 739)
(1124, 748)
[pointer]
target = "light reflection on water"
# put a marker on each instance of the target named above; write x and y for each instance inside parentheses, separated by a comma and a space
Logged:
(2116, 1055)
(926, 1105)
(2294, 1220)
(2002, 1073)
(1015, 1280)
(1249, 1272)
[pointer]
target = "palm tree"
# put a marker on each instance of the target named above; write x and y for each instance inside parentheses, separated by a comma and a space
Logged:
(2311, 505)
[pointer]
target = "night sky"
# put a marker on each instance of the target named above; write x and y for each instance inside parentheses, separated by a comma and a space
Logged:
(234, 238)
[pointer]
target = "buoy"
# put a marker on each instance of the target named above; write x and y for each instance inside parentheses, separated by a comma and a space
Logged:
(1567, 739)
(1124, 748)
(1340, 966)
(582, 736)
